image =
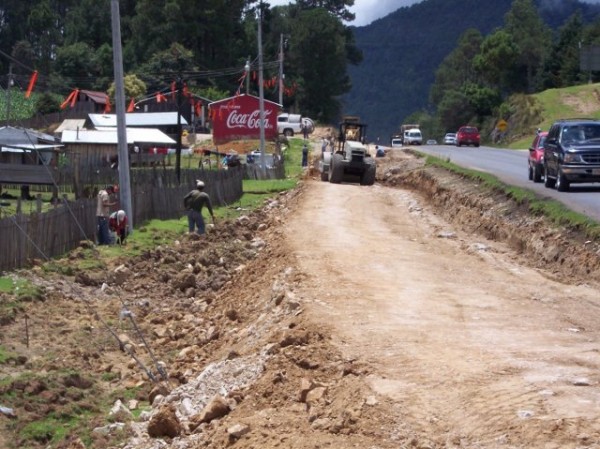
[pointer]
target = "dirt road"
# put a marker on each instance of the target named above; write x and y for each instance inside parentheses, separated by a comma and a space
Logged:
(474, 349)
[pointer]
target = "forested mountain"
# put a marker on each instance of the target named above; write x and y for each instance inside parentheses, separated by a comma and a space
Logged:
(403, 50)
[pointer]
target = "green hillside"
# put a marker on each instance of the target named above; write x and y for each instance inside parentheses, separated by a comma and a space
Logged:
(569, 102)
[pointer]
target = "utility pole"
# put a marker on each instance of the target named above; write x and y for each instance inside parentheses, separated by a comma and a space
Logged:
(247, 69)
(9, 84)
(261, 93)
(281, 69)
(179, 87)
(124, 181)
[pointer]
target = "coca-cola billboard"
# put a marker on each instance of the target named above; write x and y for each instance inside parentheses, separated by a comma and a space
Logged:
(238, 118)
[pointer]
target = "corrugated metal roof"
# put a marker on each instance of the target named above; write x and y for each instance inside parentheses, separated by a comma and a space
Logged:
(70, 123)
(137, 119)
(109, 137)
(10, 135)
(95, 96)
(29, 148)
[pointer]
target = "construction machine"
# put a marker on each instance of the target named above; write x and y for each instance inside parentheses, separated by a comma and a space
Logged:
(350, 160)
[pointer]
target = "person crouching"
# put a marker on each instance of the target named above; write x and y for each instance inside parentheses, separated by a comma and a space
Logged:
(117, 223)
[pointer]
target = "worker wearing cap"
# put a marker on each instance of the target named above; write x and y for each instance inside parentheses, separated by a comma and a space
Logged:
(102, 214)
(193, 202)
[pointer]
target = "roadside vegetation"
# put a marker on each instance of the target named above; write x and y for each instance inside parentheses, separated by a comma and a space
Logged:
(553, 210)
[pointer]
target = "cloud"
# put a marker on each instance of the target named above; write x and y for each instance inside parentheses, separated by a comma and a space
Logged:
(366, 11)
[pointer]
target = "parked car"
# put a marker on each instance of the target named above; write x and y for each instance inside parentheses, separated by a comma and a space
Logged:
(572, 153)
(467, 135)
(535, 161)
(450, 139)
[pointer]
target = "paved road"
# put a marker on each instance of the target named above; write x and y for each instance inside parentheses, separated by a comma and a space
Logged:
(510, 166)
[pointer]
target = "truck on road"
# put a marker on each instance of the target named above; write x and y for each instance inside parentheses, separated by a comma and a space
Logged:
(411, 134)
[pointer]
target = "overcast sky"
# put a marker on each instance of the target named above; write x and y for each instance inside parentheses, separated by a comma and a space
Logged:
(369, 10)
(366, 10)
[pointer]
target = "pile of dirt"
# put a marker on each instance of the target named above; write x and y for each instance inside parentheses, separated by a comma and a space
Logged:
(205, 340)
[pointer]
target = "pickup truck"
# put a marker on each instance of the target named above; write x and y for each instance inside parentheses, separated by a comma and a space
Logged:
(290, 124)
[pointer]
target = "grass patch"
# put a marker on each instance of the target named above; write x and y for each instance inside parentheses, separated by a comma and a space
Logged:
(5, 355)
(553, 210)
(23, 289)
(562, 103)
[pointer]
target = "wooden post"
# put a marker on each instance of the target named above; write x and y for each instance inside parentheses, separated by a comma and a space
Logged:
(38, 203)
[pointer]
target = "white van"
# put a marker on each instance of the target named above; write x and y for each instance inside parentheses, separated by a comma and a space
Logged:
(396, 142)
(413, 137)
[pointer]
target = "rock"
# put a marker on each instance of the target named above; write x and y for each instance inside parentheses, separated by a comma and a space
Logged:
(237, 431)
(581, 382)
(76, 444)
(160, 389)
(165, 423)
(184, 280)
(120, 275)
(119, 409)
(76, 381)
(108, 429)
(216, 408)
(315, 395)
(243, 220)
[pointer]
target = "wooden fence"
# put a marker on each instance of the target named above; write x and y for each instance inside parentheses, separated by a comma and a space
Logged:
(42, 236)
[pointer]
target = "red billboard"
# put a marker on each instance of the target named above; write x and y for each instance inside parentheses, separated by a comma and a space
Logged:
(238, 118)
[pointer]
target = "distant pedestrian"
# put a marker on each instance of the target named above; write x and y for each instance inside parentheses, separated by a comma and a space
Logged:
(193, 202)
(102, 214)
(117, 223)
(305, 130)
(323, 145)
(305, 156)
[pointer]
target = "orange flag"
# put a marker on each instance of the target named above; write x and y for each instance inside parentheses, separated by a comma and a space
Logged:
(32, 81)
(131, 106)
(70, 99)
(108, 107)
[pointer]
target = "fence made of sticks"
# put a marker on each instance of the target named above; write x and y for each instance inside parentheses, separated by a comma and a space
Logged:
(42, 236)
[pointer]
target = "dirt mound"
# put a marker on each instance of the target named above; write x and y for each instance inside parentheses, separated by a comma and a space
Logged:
(206, 342)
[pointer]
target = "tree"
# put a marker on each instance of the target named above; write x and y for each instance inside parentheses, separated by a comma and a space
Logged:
(457, 68)
(561, 67)
(496, 60)
(318, 53)
(338, 8)
(133, 86)
(74, 63)
(532, 37)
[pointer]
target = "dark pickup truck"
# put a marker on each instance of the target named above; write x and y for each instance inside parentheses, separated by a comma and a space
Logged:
(572, 153)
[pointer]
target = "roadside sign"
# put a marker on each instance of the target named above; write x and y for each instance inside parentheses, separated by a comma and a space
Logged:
(502, 125)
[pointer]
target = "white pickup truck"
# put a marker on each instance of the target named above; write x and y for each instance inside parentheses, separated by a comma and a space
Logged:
(290, 124)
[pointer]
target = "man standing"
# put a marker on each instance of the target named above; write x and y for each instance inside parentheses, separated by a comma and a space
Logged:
(193, 202)
(102, 214)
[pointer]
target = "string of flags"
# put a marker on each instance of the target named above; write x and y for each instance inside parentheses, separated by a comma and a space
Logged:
(71, 99)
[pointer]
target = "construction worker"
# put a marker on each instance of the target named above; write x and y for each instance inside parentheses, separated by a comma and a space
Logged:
(117, 223)
(193, 202)
(102, 214)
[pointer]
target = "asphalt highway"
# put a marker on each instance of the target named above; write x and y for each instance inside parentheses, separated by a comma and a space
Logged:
(510, 166)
